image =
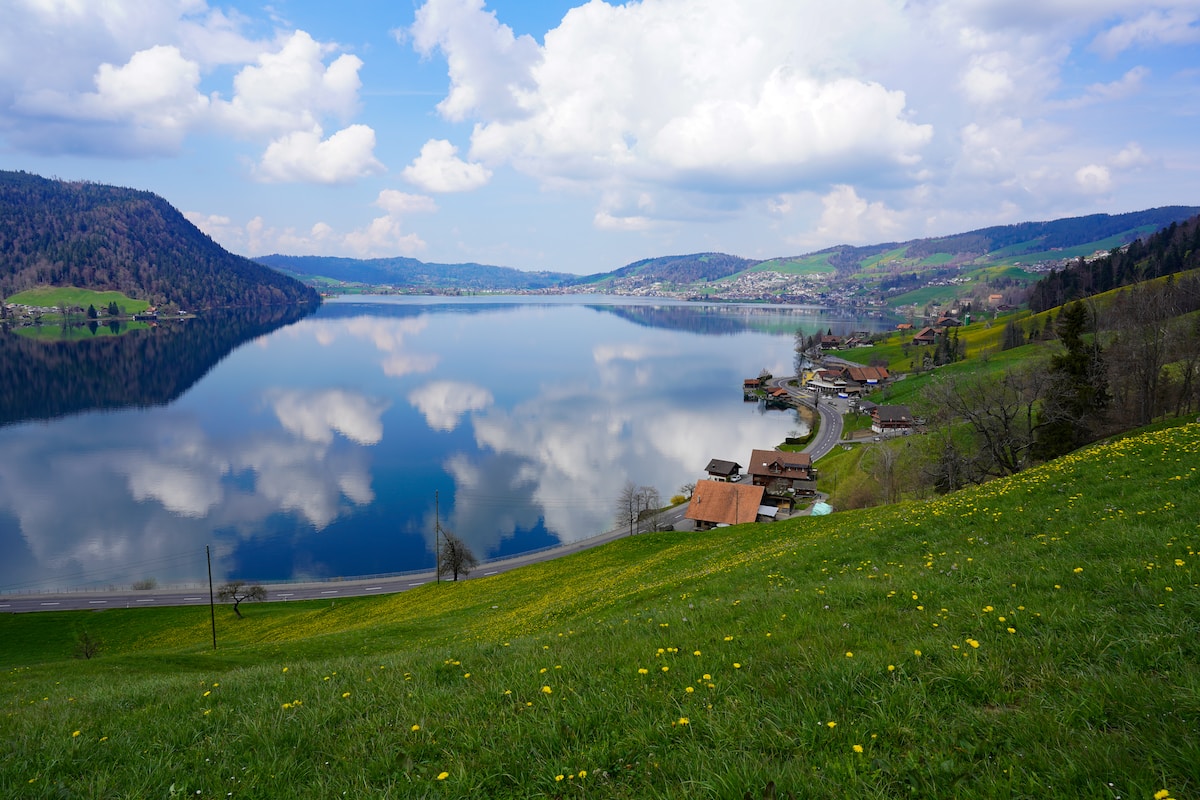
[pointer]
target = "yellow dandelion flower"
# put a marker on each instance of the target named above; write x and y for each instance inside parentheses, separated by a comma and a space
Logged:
(689, 690)
(858, 748)
(973, 643)
(582, 774)
(547, 690)
(684, 721)
(416, 728)
(696, 653)
(443, 775)
(1012, 630)
(643, 671)
(917, 653)
(736, 665)
(1078, 570)
(558, 777)
(831, 724)
(1161, 794)
(891, 667)
(849, 654)
(76, 733)
(666, 669)
(285, 669)
(345, 694)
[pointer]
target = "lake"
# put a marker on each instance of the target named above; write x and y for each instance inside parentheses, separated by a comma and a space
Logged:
(324, 446)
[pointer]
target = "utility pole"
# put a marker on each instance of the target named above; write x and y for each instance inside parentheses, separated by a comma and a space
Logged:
(437, 527)
(212, 606)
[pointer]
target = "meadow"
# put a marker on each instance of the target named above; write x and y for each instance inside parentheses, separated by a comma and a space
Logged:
(1034, 636)
(55, 296)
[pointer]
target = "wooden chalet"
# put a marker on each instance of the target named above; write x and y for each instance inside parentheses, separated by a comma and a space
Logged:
(926, 335)
(891, 419)
(720, 470)
(784, 476)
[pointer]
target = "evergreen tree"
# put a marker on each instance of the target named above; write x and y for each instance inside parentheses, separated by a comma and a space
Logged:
(1072, 410)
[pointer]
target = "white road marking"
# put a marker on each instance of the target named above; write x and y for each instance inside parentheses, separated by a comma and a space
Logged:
(493, 572)
(330, 591)
(146, 601)
(193, 598)
(418, 583)
(284, 594)
(49, 604)
(372, 588)
(97, 602)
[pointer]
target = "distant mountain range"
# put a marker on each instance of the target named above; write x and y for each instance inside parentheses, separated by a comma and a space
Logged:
(58, 233)
(1024, 242)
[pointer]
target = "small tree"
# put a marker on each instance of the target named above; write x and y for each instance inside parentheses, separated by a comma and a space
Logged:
(456, 557)
(87, 646)
(238, 591)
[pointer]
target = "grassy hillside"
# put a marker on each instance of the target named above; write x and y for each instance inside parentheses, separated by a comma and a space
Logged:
(1036, 636)
(54, 296)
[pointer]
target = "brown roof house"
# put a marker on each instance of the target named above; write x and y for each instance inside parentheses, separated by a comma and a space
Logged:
(887, 419)
(718, 503)
(782, 475)
(719, 470)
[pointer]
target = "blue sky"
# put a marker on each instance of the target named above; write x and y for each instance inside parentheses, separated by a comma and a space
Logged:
(580, 137)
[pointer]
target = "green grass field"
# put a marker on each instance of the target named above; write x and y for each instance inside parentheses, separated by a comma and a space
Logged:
(1038, 636)
(54, 296)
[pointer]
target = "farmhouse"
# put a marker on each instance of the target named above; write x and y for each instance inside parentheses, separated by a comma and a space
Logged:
(719, 470)
(891, 419)
(719, 503)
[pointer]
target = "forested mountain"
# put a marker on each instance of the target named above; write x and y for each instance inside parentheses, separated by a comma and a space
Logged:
(93, 236)
(412, 274)
(1171, 250)
(694, 268)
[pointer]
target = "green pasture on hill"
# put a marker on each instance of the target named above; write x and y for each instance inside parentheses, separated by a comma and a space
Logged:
(1037, 636)
(55, 296)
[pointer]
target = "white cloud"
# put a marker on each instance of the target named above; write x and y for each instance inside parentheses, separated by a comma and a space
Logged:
(682, 93)
(443, 403)
(304, 156)
(1155, 27)
(291, 89)
(439, 169)
(1131, 157)
(1093, 179)
(847, 218)
(397, 203)
(383, 237)
(1128, 84)
(490, 68)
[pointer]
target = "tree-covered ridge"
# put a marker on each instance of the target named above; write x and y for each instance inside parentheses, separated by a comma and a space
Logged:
(411, 273)
(682, 269)
(1173, 249)
(112, 238)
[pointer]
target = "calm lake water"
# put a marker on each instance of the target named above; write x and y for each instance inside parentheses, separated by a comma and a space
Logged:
(316, 448)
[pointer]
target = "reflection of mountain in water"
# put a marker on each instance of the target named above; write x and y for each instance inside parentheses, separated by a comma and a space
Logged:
(44, 380)
(731, 319)
(703, 318)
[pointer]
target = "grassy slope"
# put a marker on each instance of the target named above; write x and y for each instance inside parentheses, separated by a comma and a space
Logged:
(801, 640)
(53, 296)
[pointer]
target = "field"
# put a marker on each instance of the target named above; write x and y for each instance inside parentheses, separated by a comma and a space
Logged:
(1036, 636)
(54, 296)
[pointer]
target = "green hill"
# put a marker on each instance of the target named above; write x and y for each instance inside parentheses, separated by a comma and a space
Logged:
(1034, 636)
(91, 236)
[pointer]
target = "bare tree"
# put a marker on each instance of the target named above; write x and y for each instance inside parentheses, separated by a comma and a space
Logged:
(456, 558)
(688, 489)
(240, 591)
(636, 504)
(1000, 411)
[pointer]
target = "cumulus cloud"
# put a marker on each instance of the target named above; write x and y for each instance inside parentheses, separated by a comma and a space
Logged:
(123, 78)
(1093, 179)
(443, 403)
(381, 237)
(439, 169)
(305, 156)
(847, 218)
(701, 92)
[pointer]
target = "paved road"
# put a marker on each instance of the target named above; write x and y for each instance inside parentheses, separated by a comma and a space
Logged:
(829, 430)
(325, 590)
